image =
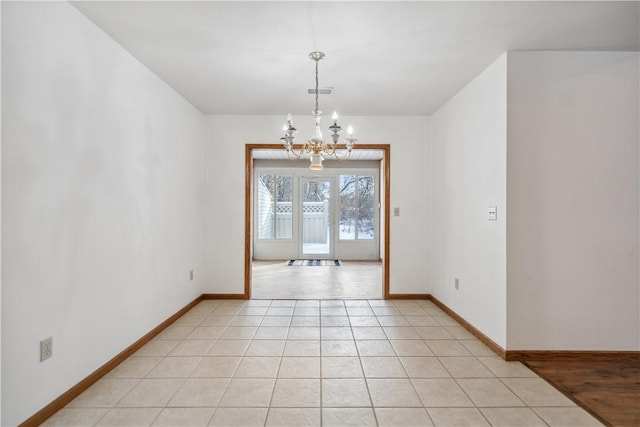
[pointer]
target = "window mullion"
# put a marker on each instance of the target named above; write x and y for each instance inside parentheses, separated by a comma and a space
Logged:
(275, 207)
(357, 206)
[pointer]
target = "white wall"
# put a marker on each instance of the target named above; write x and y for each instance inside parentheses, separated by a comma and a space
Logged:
(226, 139)
(467, 174)
(573, 197)
(102, 201)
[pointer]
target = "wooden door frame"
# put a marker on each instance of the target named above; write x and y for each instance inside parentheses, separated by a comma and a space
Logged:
(248, 200)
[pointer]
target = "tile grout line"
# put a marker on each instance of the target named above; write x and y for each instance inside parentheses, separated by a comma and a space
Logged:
(275, 382)
(409, 377)
(364, 375)
(413, 386)
(232, 374)
(213, 413)
(215, 409)
(320, 353)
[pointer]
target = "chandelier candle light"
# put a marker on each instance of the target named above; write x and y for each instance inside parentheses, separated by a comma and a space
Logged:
(316, 145)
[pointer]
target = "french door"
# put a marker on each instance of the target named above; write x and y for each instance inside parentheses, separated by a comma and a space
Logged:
(316, 218)
(332, 215)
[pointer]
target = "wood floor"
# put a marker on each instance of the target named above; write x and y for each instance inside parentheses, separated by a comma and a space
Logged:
(351, 280)
(610, 390)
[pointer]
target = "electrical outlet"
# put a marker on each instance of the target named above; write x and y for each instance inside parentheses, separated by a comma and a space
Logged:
(191, 275)
(456, 283)
(46, 349)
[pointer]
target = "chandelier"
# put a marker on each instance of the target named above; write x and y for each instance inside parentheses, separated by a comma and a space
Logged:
(316, 145)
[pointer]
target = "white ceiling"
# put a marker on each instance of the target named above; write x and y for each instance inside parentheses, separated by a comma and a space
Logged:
(383, 58)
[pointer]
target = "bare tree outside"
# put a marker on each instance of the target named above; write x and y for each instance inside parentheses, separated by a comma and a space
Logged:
(357, 204)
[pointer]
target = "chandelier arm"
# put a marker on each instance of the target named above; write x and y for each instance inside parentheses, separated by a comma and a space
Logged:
(292, 155)
(308, 147)
(330, 148)
(346, 156)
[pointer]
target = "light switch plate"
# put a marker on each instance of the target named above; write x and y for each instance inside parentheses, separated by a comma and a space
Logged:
(493, 213)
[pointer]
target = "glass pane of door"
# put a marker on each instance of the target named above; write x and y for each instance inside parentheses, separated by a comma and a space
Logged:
(316, 217)
(357, 207)
(284, 212)
(264, 189)
(274, 217)
(348, 207)
(366, 208)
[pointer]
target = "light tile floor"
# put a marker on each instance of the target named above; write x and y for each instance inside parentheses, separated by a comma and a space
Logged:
(353, 279)
(311, 363)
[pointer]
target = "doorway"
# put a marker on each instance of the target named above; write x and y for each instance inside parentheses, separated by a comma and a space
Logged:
(327, 227)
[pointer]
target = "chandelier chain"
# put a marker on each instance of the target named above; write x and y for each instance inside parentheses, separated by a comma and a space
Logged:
(316, 110)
